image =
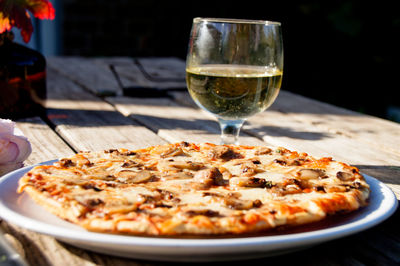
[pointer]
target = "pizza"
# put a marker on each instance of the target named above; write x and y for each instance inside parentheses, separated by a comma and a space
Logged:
(195, 189)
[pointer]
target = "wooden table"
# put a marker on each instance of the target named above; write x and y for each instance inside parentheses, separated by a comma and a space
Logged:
(86, 110)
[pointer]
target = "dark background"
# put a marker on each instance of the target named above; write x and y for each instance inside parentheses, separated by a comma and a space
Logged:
(341, 52)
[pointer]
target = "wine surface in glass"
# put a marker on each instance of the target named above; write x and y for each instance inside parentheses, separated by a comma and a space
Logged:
(233, 91)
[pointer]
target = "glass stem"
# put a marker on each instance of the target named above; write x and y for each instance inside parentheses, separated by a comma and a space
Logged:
(230, 130)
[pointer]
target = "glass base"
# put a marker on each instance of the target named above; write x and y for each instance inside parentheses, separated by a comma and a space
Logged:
(230, 130)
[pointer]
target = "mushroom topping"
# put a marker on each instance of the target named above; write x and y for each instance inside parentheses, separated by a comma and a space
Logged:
(165, 194)
(178, 175)
(291, 186)
(263, 151)
(225, 173)
(128, 153)
(292, 189)
(115, 151)
(235, 195)
(186, 165)
(184, 144)
(129, 176)
(66, 163)
(90, 185)
(90, 203)
(212, 194)
(306, 174)
(357, 185)
(258, 182)
(209, 177)
(257, 203)
(170, 165)
(169, 151)
(237, 204)
(289, 189)
(249, 169)
(290, 162)
(250, 182)
(223, 152)
(343, 176)
(238, 182)
(295, 162)
(130, 164)
(280, 161)
(206, 212)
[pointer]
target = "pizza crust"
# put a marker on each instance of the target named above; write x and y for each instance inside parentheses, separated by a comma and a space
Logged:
(53, 206)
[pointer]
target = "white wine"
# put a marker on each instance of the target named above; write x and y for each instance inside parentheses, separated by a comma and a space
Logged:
(233, 91)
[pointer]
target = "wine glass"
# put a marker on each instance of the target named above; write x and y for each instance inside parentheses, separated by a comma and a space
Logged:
(234, 69)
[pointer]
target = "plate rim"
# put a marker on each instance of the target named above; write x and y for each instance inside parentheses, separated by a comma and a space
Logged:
(70, 234)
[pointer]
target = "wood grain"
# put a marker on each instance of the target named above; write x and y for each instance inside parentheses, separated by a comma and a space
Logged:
(46, 144)
(366, 129)
(88, 123)
(174, 122)
(161, 73)
(92, 75)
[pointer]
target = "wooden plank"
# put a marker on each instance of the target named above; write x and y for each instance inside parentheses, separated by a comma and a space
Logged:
(113, 60)
(88, 123)
(165, 67)
(92, 75)
(364, 128)
(46, 144)
(174, 122)
(160, 73)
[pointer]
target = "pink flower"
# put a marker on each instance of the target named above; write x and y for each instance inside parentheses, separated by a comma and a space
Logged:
(15, 13)
(14, 147)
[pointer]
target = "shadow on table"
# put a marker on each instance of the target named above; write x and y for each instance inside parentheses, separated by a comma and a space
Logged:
(274, 131)
(96, 118)
(389, 174)
(31, 251)
(101, 118)
(213, 127)
(86, 118)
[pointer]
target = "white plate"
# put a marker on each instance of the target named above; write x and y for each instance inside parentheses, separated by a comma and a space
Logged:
(19, 209)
